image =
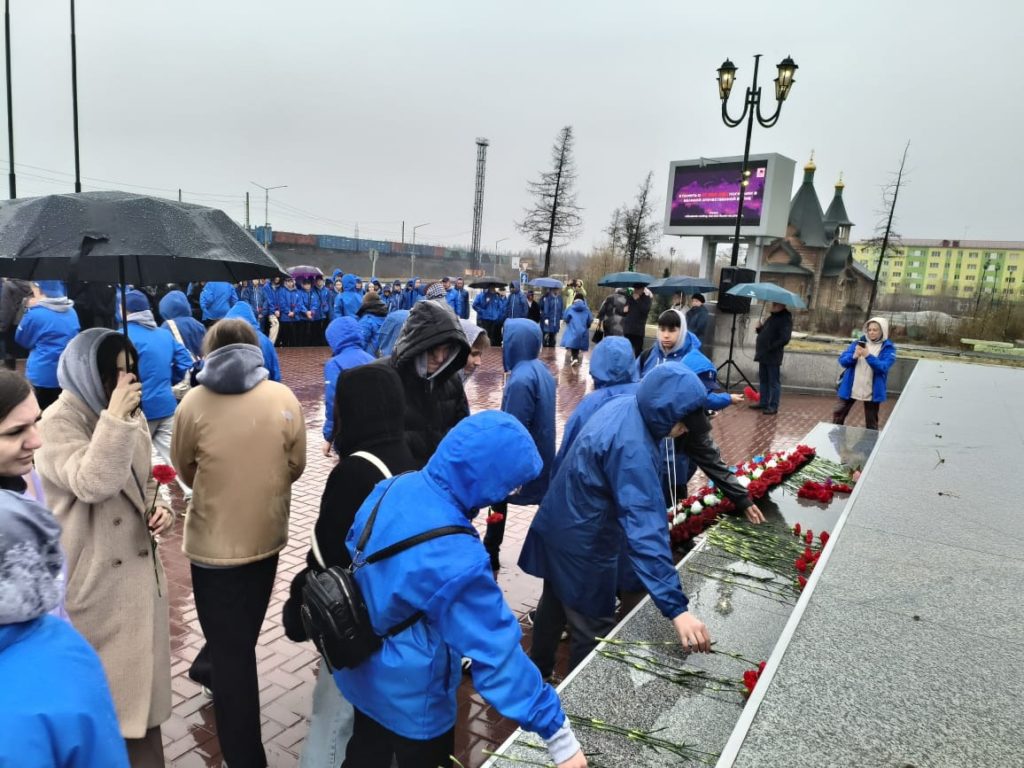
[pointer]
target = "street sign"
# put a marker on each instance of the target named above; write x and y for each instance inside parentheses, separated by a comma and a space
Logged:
(524, 277)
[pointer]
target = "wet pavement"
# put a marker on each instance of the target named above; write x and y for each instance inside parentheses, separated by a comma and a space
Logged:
(288, 670)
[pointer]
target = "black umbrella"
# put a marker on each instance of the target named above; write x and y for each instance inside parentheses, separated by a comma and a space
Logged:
(487, 282)
(118, 237)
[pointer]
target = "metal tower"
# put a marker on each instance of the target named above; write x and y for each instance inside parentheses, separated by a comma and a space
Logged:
(478, 197)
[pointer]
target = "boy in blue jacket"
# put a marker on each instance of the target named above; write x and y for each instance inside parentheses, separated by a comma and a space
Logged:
(215, 301)
(243, 311)
(346, 342)
(529, 396)
(287, 307)
(45, 330)
(404, 693)
(347, 303)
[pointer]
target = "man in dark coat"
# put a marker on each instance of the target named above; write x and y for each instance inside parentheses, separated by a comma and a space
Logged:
(772, 337)
(427, 356)
(698, 318)
(610, 315)
(634, 325)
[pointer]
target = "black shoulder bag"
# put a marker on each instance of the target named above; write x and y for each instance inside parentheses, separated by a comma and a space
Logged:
(334, 613)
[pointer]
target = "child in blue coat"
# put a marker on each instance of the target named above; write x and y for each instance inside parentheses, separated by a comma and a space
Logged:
(45, 330)
(577, 319)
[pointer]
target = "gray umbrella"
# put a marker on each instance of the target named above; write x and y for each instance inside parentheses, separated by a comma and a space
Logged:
(118, 237)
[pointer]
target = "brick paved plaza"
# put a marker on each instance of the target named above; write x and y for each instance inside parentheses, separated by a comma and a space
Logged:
(288, 670)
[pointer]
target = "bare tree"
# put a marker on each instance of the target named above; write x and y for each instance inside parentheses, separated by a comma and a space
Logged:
(642, 230)
(554, 218)
(616, 232)
(890, 192)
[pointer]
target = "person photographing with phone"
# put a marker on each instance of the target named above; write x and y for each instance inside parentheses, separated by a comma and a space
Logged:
(866, 363)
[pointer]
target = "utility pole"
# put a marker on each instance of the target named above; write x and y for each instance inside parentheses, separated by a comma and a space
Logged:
(12, 186)
(403, 233)
(247, 210)
(266, 210)
(478, 197)
(885, 237)
(179, 194)
(74, 99)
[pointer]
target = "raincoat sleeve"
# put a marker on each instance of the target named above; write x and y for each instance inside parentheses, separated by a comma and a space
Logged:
(331, 373)
(702, 451)
(519, 399)
(847, 360)
(884, 360)
(473, 618)
(27, 332)
(636, 488)
(716, 401)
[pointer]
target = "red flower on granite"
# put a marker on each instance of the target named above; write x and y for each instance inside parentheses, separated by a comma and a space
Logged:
(802, 582)
(824, 537)
(796, 529)
(809, 536)
(801, 565)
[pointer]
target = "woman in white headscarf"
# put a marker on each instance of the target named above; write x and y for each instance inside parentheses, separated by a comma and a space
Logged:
(866, 363)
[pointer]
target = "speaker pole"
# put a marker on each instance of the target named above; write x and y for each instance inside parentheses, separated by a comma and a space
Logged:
(729, 365)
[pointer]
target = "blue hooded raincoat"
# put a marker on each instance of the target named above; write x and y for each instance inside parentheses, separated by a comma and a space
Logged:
(880, 364)
(608, 485)
(516, 304)
(162, 363)
(216, 299)
(243, 311)
(488, 305)
(346, 343)
(687, 351)
(390, 330)
(45, 331)
(552, 307)
(174, 306)
(577, 332)
(409, 685)
(347, 303)
(529, 396)
(613, 371)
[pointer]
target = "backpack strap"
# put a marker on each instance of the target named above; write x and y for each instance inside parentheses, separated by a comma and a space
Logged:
(381, 467)
(645, 356)
(177, 337)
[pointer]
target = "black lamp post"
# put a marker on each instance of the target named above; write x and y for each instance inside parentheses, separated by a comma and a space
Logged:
(11, 184)
(751, 109)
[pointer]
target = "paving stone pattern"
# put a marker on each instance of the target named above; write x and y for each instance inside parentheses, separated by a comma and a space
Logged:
(288, 670)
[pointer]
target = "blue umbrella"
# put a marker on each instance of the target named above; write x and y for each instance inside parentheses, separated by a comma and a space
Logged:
(546, 282)
(625, 279)
(668, 286)
(768, 292)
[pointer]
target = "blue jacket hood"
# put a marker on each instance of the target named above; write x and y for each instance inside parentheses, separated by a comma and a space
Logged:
(666, 395)
(483, 459)
(522, 341)
(612, 362)
(343, 332)
(348, 282)
(175, 305)
(243, 311)
(578, 305)
(335, 274)
(513, 287)
(391, 330)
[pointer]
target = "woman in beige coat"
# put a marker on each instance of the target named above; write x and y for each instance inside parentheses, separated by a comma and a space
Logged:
(96, 471)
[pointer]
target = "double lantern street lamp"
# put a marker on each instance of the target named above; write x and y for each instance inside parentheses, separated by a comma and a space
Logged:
(751, 109)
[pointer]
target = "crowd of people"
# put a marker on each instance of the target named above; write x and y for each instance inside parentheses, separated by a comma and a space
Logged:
(198, 375)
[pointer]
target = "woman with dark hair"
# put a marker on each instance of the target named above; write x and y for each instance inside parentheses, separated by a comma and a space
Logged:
(369, 438)
(96, 470)
(238, 521)
(19, 436)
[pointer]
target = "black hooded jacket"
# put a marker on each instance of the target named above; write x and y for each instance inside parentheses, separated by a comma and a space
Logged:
(432, 405)
(372, 305)
(369, 413)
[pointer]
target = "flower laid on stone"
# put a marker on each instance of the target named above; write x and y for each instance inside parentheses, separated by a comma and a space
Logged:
(822, 491)
(751, 676)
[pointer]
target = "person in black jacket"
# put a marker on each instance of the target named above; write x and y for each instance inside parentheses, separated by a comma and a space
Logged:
(634, 325)
(773, 335)
(427, 357)
(611, 313)
(698, 317)
(369, 410)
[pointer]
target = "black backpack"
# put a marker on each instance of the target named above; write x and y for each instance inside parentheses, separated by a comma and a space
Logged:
(333, 610)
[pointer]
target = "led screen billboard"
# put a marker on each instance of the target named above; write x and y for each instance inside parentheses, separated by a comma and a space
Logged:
(704, 194)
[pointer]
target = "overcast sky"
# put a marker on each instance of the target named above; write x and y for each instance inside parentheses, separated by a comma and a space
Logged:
(368, 111)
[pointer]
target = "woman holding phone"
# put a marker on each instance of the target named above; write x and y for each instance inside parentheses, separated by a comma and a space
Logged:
(866, 363)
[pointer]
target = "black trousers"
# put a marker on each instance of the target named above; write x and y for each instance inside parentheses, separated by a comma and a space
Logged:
(231, 604)
(374, 746)
(549, 339)
(548, 622)
(637, 340)
(842, 410)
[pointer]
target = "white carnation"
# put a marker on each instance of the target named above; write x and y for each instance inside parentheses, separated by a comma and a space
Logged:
(696, 507)
(757, 473)
(679, 519)
(743, 480)
(710, 500)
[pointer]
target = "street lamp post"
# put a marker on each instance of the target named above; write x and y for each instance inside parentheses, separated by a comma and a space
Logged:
(412, 263)
(266, 210)
(496, 244)
(751, 109)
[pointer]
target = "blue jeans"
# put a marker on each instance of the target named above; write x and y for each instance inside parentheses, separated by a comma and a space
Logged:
(771, 385)
(330, 727)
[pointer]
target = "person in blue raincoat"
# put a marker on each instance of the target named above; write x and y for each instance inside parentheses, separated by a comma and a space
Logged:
(287, 307)
(404, 693)
(551, 310)
(866, 363)
(347, 303)
(458, 298)
(55, 703)
(390, 331)
(372, 315)
(309, 314)
(488, 308)
(346, 343)
(608, 484)
(577, 319)
(529, 395)
(175, 311)
(243, 311)
(271, 323)
(215, 301)
(45, 329)
(613, 369)
(516, 304)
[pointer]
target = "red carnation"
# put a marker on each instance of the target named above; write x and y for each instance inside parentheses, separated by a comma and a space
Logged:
(164, 474)
(760, 668)
(750, 679)
(796, 529)
(801, 565)
(809, 536)
(495, 517)
(751, 394)
(757, 489)
(824, 537)
(808, 554)
(802, 582)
